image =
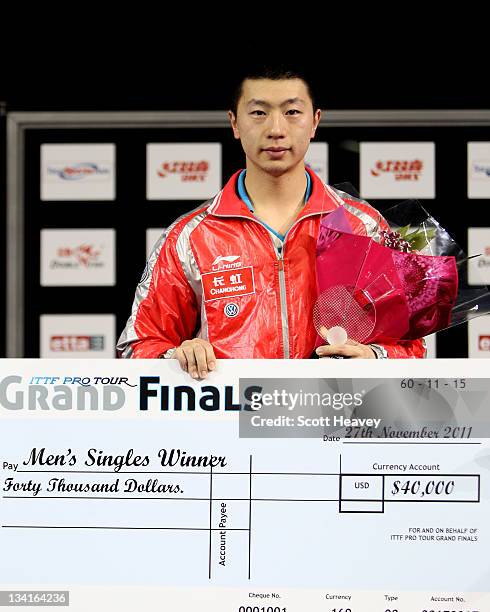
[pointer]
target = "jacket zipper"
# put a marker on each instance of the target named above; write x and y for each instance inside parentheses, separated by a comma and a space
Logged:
(284, 305)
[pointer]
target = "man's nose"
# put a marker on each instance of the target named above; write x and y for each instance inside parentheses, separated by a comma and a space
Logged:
(277, 125)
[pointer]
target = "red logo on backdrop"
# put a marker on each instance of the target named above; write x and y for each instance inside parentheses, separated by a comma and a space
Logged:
(487, 251)
(85, 254)
(76, 343)
(196, 171)
(484, 343)
(402, 169)
(228, 283)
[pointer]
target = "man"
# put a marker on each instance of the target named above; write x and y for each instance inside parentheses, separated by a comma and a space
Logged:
(235, 278)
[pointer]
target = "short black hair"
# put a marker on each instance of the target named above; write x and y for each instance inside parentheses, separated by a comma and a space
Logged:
(274, 74)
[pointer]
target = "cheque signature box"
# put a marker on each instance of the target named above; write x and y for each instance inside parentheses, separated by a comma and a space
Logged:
(231, 485)
(295, 487)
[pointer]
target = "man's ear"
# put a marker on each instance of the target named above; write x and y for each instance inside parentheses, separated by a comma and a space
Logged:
(316, 122)
(233, 122)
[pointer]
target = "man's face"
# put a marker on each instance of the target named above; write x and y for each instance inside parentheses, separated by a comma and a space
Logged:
(275, 122)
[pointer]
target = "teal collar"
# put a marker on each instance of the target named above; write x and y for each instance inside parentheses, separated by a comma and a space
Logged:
(242, 192)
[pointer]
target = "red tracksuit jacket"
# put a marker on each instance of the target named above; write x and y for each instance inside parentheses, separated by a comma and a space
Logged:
(217, 273)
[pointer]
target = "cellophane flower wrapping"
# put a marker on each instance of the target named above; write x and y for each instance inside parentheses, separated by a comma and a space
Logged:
(412, 294)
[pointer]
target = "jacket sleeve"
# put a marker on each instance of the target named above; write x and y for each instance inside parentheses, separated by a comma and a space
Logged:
(165, 309)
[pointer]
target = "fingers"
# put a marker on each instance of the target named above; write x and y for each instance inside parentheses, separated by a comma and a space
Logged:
(344, 350)
(180, 355)
(191, 360)
(351, 349)
(196, 357)
(201, 362)
(210, 356)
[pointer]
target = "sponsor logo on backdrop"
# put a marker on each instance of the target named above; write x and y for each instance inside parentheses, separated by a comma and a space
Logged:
(479, 170)
(76, 343)
(479, 244)
(484, 343)
(183, 171)
(484, 262)
(397, 170)
(77, 257)
(78, 172)
(77, 336)
(479, 337)
(85, 255)
(186, 170)
(401, 169)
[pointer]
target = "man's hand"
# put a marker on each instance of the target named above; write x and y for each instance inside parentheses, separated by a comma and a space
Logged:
(351, 349)
(196, 356)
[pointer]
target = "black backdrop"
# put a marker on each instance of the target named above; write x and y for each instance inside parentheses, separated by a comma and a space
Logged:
(131, 214)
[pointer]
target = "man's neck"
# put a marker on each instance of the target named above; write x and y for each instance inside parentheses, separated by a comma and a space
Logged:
(275, 193)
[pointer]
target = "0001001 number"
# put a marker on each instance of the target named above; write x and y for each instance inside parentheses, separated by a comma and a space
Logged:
(261, 609)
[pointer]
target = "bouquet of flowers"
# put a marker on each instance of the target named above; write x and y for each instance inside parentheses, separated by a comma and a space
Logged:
(403, 281)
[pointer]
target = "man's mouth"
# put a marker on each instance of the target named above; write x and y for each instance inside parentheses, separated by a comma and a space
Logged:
(276, 152)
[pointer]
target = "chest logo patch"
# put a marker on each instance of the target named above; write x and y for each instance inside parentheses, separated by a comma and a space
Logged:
(231, 309)
(228, 283)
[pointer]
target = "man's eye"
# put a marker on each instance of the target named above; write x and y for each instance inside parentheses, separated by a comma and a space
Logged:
(294, 110)
(257, 111)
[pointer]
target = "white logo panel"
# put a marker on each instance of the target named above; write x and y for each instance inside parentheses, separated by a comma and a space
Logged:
(317, 159)
(77, 336)
(78, 172)
(77, 257)
(479, 170)
(393, 170)
(479, 337)
(479, 244)
(183, 171)
(431, 346)
(152, 235)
